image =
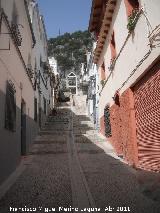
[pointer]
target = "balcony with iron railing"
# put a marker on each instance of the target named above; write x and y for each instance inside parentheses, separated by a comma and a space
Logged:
(16, 33)
(30, 71)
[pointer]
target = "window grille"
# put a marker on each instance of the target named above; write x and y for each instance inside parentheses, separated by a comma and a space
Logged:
(44, 101)
(16, 34)
(35, 109)
(10, 108)
(107, 122)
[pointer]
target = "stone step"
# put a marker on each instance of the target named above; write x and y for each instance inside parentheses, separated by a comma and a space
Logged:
(54, 132)
(58, 121)
(55, 137)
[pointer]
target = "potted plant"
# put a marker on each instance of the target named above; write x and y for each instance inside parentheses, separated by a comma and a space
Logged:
(102, 83)
(132, 20)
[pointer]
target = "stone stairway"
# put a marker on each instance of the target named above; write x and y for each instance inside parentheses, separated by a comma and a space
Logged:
(45, 180)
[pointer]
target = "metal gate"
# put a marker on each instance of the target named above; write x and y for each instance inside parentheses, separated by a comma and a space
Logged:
(147, 108)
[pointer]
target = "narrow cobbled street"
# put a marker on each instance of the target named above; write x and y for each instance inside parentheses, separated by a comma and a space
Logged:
(66, 171)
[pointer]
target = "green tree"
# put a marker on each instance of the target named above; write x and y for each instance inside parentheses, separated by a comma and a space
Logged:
(70, 50)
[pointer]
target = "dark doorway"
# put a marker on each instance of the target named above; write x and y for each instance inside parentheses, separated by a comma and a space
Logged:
(40, 117)
(39, 111)
(23, 128)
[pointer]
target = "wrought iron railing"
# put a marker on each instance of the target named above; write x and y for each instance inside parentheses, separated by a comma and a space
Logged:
(16, 34)
(30, 72)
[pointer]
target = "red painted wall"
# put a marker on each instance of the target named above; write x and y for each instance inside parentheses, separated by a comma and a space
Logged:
(131, 5)
(128, 127)
(115, 119)
(123, 128)
(102, 126)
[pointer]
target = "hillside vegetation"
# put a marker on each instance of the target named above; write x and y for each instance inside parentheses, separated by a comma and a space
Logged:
(70, 50)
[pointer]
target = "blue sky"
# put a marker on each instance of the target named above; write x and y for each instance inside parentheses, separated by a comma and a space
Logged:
(66, 15)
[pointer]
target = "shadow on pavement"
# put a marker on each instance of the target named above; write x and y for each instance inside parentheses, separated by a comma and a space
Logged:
(46, 182)
(111, 182)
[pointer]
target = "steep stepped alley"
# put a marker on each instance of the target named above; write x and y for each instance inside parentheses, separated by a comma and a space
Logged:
(71, 169)
(111, 182)
(45, 181)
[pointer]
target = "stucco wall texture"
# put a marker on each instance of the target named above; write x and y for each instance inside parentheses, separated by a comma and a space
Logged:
(13, 63)
(135, 122)
(115, 119)
(102, 126)
(128, 127)
(123, 128)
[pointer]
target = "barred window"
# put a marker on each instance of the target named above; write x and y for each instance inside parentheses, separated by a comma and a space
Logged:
(107, 122)
(35, 109)
(10, 108)
(44, 101)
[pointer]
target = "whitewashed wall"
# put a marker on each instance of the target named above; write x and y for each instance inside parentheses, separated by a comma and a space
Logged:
(12, 68)
(135, 49)
(40, 51)
(12, 60)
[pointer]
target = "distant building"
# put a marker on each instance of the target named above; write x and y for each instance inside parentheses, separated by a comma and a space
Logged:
(25, 82)
(92, 89)
(127, 55)
(56, 75)
(72, 83)
(84, 78)
(53, 65)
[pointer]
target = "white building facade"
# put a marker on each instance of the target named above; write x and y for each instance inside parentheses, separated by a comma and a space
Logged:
(93, 89)
(43, 85)
(127, 56)
(23, 82)
(56, 86)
